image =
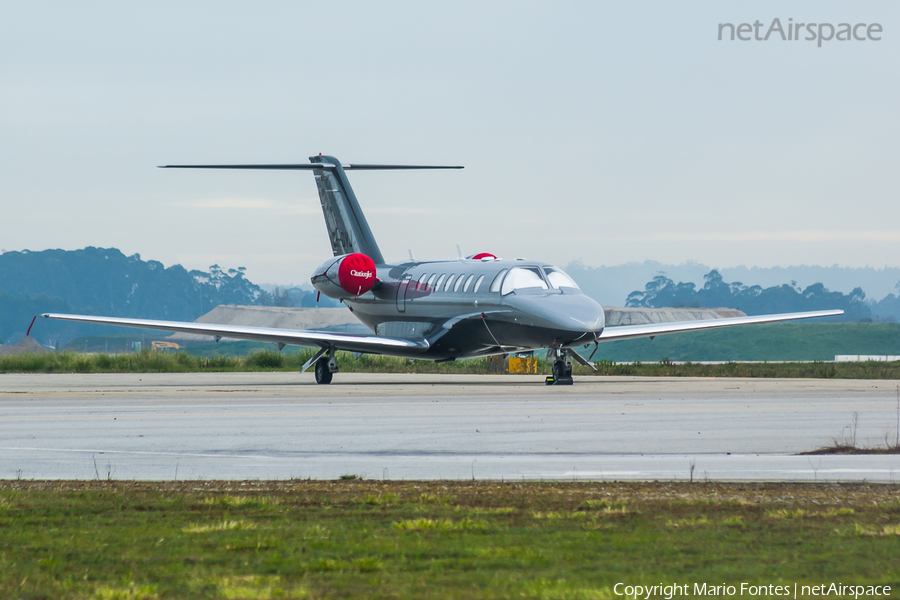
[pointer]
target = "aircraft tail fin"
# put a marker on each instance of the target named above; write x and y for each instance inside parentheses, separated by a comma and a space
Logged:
(348, 230)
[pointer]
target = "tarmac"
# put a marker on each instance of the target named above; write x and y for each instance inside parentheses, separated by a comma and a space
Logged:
(283, 426)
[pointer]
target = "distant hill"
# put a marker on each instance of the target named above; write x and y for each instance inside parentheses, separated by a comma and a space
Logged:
(105, 281)
(661, 291)
(611, 285)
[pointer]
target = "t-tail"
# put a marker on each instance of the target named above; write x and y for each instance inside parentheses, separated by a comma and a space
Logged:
(348, 229)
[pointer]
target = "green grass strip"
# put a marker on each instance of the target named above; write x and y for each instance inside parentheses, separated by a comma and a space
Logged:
(362, 539)
(272, 360)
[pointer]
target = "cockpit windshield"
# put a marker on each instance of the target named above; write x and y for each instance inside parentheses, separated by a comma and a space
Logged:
(523, 277)
(558, 279)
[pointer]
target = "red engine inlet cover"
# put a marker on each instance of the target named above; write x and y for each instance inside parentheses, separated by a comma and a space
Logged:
(356, 274)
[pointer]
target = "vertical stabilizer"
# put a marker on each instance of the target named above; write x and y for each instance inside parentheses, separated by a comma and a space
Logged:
(348, 229)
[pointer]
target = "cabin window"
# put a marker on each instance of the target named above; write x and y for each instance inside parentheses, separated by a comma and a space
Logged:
(449, 282)
(520, 278)
(421, 283)
(478, 284)
(468, 283)
(428, 285)
(437, 286)
(495, 284)
(558, 279)
(459, 282)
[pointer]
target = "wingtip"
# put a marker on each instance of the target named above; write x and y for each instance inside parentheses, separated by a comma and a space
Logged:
(28, 333)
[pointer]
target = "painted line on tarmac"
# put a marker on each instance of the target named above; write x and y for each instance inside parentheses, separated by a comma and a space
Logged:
(76, 450)
(442, 412)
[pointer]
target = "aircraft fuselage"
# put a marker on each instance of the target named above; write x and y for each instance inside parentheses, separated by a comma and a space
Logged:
(463, 308)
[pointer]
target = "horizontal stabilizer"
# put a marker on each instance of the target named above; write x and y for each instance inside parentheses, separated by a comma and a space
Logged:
(396, 167)
(300, 167)
(311, 166)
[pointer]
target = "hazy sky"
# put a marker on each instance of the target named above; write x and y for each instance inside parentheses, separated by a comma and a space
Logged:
(600, 132)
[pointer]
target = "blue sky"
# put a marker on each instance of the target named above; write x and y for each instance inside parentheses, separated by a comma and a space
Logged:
(592, 131)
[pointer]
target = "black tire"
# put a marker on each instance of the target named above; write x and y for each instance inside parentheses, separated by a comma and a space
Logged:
(559, 370)
(323, 373)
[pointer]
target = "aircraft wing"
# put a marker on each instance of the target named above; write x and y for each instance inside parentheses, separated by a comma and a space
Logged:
(340, 341)
(627, 332)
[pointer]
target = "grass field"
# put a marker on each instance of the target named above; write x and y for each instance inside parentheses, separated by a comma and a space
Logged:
(271, 360)
(181, 362)
(300, 539)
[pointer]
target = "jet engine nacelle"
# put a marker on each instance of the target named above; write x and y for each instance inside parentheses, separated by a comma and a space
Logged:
(346, 276)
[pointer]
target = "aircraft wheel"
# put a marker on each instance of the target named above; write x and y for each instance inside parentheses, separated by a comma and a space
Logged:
(559, 370)
(562, 373)
(323, 373)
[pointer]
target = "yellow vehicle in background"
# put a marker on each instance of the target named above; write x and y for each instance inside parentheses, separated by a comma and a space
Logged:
(516, 365)
(522, 365)
(154, 346)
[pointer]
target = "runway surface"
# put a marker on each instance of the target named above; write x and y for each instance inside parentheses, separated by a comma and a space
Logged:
(283, 425)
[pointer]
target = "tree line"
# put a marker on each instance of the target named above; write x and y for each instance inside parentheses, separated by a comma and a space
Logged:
(103, 281)
(662, 292)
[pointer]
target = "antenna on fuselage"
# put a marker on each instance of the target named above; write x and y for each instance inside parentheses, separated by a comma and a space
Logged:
(411, 257)
(459, 255)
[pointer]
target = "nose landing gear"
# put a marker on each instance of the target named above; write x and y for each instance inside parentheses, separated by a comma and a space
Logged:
(562, 367)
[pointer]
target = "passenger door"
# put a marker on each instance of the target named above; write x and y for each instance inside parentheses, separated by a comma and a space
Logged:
(401, 292)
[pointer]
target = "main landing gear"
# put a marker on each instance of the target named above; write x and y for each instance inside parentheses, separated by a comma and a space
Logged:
(323, 373)
(326, 365)
(562, 367)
